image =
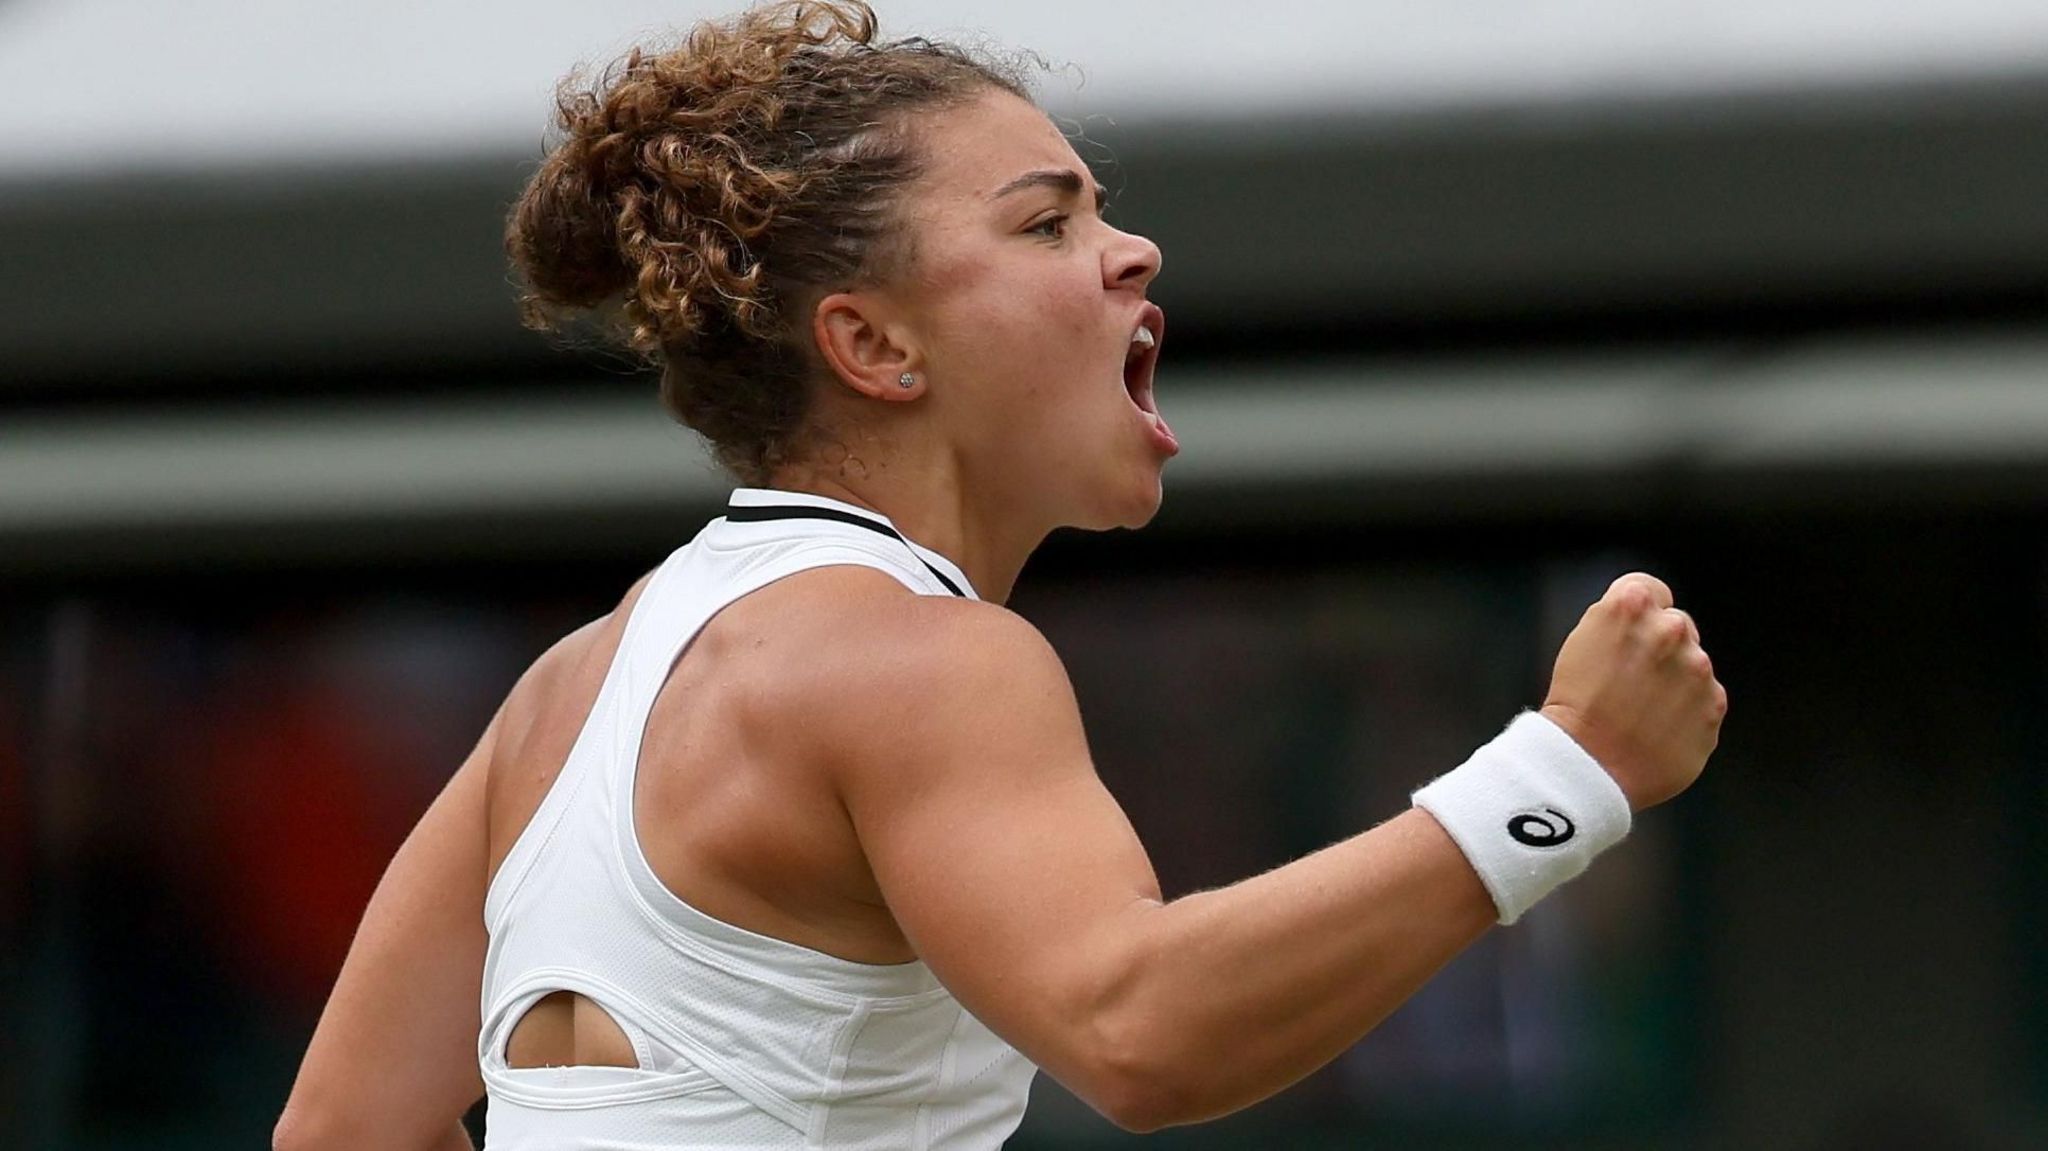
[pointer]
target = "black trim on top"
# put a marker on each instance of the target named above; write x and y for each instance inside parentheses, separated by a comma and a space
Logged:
(755, 515)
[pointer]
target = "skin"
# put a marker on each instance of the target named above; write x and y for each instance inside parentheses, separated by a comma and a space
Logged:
(884, 777)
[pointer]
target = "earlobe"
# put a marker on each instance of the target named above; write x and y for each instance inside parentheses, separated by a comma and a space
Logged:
(861, 349)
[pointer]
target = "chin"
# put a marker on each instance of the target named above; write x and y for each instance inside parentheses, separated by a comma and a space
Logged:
(1122, 491)
(1146, 509)
(1130, 503)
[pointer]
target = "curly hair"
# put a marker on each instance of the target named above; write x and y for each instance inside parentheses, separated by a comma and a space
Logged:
(714, 188)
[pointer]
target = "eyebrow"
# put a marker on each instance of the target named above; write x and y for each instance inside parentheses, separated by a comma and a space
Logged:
(1063, 180)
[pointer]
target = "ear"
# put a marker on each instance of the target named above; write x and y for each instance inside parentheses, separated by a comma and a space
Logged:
(866, 351)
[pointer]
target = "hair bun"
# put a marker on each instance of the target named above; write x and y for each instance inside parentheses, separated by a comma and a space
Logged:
(707, 187)
(563, 236)
(669, 168)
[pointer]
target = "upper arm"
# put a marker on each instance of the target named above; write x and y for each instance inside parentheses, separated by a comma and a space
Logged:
(1009, 867)
(393, 1061)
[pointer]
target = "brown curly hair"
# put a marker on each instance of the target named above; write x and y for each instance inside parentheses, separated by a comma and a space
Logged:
(715, 188)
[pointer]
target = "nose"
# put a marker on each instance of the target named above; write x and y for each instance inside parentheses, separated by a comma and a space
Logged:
(1129, 261)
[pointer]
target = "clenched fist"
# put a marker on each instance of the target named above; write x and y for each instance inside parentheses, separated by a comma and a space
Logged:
(1635, 689)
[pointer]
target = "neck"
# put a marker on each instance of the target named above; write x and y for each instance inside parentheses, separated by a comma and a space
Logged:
(988, 540)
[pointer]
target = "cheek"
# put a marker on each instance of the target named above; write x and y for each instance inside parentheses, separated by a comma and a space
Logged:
(1030, 348)
(1062, 344)
(1024, 330)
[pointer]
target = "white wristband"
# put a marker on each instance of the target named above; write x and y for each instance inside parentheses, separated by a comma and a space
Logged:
(1530, 810)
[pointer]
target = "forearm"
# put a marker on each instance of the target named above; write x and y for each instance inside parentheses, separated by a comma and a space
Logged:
(298, 1130)
(1286, 970)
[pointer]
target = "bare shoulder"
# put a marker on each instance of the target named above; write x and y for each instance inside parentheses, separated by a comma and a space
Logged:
(890, 685)
(860, 626)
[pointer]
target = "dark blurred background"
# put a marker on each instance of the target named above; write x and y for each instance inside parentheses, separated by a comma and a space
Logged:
(1470, 311)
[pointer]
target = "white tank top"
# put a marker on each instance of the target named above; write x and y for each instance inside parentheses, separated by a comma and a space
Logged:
(744, 1042)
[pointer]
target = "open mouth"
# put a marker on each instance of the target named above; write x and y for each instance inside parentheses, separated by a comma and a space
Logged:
(1142, 357)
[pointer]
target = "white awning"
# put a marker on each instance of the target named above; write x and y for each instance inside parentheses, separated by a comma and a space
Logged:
(141, 84)
(1676, 427)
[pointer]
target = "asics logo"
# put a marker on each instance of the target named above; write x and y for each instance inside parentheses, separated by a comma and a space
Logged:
(1546, 828)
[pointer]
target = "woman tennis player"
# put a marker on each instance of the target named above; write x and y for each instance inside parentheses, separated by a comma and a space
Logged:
(801, 846)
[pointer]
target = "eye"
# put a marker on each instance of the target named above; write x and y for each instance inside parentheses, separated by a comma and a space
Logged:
(1052, 227)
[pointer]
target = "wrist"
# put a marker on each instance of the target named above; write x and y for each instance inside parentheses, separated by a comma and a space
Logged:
(1572, 722)
(1530, 810)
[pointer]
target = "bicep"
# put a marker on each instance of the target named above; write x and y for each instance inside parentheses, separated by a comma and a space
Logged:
(1002, 856)
(394, 1055)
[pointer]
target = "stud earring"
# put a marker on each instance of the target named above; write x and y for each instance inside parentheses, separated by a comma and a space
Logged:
(906, 380)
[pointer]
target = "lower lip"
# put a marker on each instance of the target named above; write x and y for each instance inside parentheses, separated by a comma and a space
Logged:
(1162, 436)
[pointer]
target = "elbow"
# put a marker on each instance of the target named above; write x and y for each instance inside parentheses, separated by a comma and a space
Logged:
(298, 1130)
(1137, 1050)
(1138, 1108)
(303, 1128)
(293, 1132)
(1134, 1079)
(1134, 1061)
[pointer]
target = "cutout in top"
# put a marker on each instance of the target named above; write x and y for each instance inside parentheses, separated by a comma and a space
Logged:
(565, 1029)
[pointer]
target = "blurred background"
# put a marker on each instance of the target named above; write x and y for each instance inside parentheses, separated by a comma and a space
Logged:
(1472, 306)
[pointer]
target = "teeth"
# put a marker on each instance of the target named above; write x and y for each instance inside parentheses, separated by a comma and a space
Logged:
(1143, 338)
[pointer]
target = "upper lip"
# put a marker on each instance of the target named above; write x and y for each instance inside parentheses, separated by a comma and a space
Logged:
(1153, 319)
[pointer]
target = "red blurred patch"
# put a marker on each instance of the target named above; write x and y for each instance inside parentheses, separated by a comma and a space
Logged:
(303, 837)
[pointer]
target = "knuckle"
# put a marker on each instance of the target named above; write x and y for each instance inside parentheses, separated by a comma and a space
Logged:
(1657, 591)
(1633, 599)
(1669, 629)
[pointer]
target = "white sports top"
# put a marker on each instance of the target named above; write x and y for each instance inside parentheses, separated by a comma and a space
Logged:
(744, 1042)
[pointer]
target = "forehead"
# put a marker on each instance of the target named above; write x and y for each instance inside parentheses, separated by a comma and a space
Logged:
(974, 149)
